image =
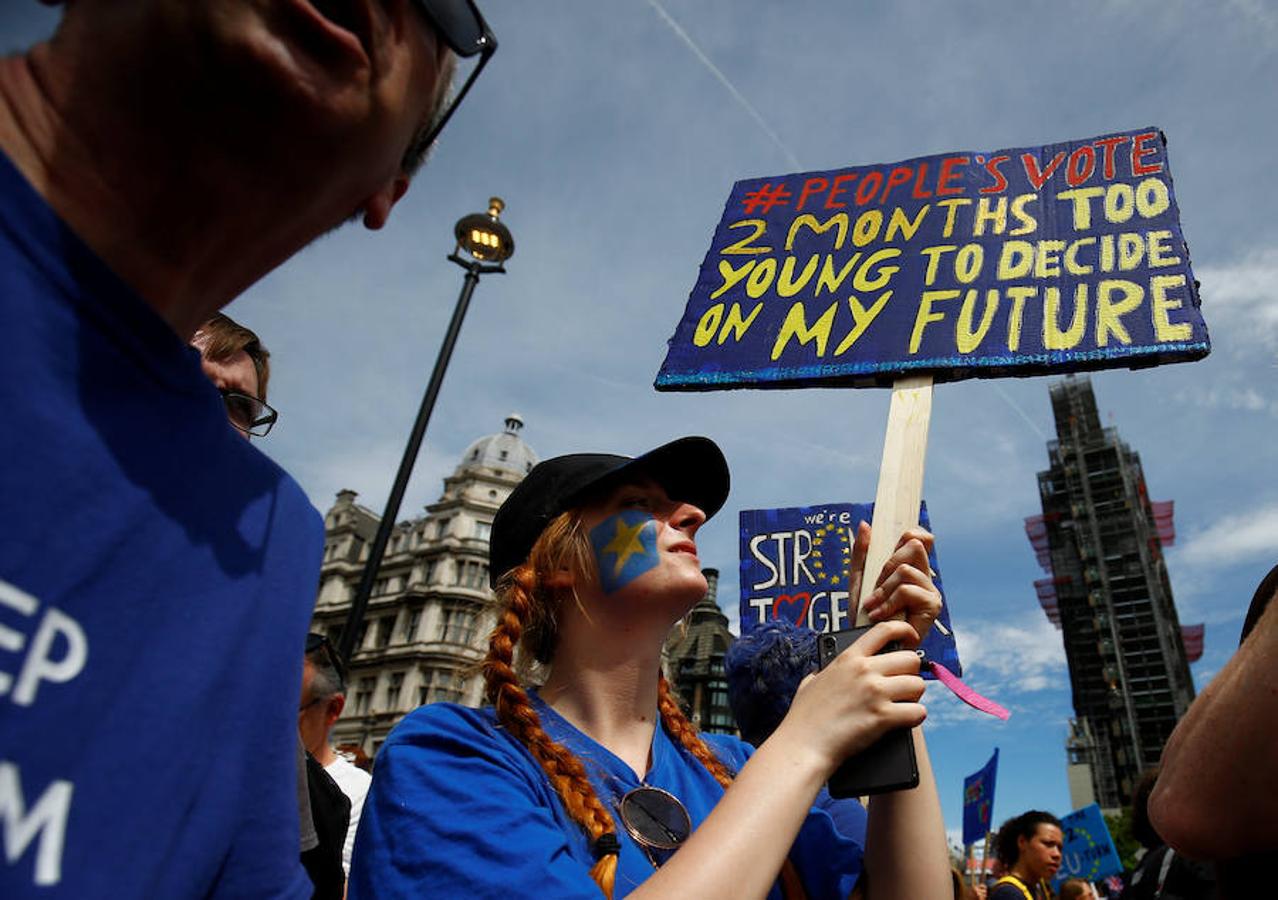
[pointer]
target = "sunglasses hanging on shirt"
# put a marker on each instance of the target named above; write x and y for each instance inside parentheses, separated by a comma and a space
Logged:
(655, 820)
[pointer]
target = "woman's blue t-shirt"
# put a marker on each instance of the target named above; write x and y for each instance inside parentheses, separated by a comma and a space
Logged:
(458, 807)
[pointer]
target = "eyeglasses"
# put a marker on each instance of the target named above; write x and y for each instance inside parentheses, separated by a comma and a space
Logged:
(249, 414)
(316, 642)
(459, 25)
(655, 819)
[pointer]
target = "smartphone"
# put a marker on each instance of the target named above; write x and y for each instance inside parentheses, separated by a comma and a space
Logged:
(888, 764)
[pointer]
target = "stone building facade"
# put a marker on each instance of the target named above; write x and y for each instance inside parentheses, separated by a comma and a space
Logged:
(430, 612)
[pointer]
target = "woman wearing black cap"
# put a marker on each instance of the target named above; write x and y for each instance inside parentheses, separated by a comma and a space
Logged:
(597, 781)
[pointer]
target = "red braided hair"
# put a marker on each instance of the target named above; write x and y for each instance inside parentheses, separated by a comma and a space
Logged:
(527, 602)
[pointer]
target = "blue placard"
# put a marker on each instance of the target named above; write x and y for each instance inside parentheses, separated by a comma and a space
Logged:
(978, 801)
(1089, 852)
(1056, 258)
(794, 565)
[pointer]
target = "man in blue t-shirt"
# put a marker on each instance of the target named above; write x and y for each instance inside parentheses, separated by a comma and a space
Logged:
(156, 571)
(234, 359)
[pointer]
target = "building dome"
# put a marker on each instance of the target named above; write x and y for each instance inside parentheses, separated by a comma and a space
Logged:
(504, 451)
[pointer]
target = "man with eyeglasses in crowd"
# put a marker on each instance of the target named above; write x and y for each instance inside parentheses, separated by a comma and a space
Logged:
(239, 366)
(157, 572)
(236, 362)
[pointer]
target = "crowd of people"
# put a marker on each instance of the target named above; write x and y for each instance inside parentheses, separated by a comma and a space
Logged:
(158, 158)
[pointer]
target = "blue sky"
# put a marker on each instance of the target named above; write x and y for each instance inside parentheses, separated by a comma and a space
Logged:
(614, 137)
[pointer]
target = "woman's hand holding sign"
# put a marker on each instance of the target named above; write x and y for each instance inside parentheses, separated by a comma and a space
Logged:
(904, 586)
(865, 693)
(859, 697)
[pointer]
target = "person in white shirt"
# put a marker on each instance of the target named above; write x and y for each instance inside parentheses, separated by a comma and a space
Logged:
(323, 698)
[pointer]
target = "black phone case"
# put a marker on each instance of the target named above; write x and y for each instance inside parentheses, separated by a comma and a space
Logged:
(888, 764)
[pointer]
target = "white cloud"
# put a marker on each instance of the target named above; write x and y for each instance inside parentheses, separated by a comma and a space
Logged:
(943, 708)
(1241, 295)
(841, 459)
(1016, 663)
(1022, 655)
(1228, 398)
(1235, 538)
(369, 471)
(733, 611)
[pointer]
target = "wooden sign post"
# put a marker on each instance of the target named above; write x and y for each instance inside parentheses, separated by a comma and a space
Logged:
(900, 490)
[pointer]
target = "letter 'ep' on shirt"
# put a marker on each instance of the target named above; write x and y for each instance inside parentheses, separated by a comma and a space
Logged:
(157, 575)
(459, 808)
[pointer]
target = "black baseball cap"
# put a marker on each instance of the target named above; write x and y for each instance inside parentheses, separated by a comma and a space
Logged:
(690, 469)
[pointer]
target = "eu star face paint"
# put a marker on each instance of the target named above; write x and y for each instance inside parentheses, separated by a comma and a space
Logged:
(625, 546)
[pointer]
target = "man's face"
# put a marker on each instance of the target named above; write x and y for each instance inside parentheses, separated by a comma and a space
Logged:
(312, 714)
(235, 374)
(336, 88)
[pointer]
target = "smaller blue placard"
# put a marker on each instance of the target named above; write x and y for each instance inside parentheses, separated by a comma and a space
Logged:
(1089, 851)
(794, 565)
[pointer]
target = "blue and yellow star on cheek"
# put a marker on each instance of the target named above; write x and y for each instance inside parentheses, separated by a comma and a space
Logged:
(625, 546)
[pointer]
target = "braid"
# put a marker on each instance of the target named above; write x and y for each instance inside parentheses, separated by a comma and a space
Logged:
(515, 711)
(686, 734)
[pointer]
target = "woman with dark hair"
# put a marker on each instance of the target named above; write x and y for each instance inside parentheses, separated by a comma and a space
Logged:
(596, 782)
(1029, 845)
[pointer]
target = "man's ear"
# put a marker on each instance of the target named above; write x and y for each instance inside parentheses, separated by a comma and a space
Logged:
(333, 709)
(377, 208)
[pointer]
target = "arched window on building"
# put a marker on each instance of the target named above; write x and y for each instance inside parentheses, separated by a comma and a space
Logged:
(364, 695)
(411, 621)
(393, 689)
(441, 684)
(457, 623)
(472, 574)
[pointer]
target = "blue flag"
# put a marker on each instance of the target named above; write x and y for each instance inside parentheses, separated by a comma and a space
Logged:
(1089, 852)
(978, 801)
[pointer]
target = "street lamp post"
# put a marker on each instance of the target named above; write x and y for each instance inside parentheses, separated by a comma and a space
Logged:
(486, 243)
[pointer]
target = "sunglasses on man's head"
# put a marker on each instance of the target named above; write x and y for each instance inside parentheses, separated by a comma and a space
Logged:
(315, 642)
(459, 25)
(464, 31)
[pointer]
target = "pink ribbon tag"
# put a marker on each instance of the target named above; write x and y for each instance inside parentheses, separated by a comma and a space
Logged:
(963, 692)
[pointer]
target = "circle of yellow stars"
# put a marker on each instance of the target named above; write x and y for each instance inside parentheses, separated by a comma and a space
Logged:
(1091, 842)
(831, 564)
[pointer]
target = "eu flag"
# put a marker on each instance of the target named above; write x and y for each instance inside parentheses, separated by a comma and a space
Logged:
(978, 801)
